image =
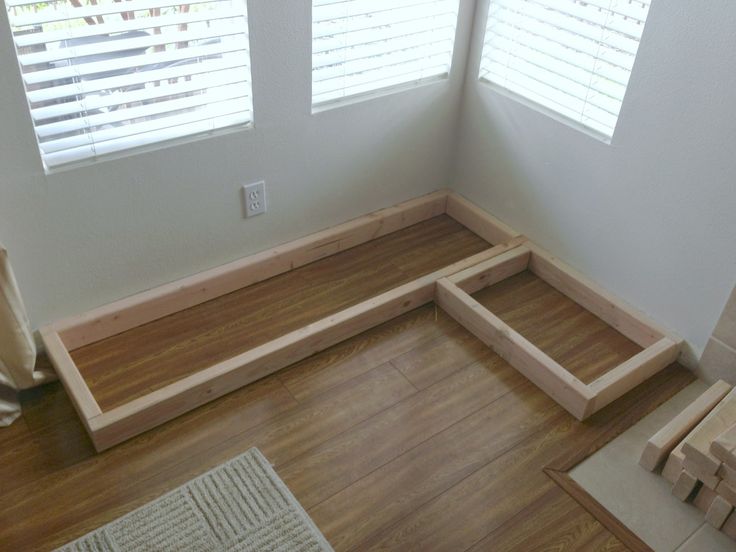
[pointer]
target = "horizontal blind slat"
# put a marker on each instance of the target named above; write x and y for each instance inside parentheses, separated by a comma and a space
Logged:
(111, 75)
(127, 44)
(133, 62)
(92, 102)
(379, 10)
(570, 56)
(210, 96)
(98, 136)
(371, 63)
(115, 8)
(386, 32)
(557, 48)
(137, 78)
(49, 37)
(387, 71)
(431, 42)
(146, 138)
(566, 29)
(361, 45)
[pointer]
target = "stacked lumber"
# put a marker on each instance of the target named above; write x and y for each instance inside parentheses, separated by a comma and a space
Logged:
(696, 452)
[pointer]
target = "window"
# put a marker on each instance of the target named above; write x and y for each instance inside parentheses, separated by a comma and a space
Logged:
(573, 57)
(102, 76)
(361, 46)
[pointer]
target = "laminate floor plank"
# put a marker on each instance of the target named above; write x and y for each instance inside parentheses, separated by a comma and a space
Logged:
(320, 372)
(408, 436)
(351, 517)
(574, 337)
(142, 359)
(350, 456)
(554, 522)
(498, 490)
(138, 470)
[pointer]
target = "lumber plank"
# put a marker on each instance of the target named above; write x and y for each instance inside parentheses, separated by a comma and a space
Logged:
(626, 319)
(661, 444)
(718, 512)
(685, 485)
(727, 492)
(704, 498)
(674, 465)
(729, 527)
(547, 374)
(611, 385)
(723, 446)
(728, 474)
(697, 444)
(709, 480)
(138, 309)
(164, 404)
(84, 403)
(479, 221)
(493, 270)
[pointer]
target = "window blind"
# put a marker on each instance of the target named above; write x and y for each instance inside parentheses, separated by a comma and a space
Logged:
(102, 76)
(359, 46)
(571, 56)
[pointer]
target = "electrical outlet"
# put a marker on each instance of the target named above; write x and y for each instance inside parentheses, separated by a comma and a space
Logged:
(254, 198)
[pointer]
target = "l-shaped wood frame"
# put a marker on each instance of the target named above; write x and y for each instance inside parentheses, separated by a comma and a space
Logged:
(449, 287)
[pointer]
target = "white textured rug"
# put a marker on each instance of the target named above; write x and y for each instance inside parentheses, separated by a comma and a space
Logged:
(240, 505)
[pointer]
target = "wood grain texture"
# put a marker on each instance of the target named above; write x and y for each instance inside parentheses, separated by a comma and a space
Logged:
(632, 323)
(124, 314)
(582, 343)
(148, 357)
(685, 485)
(547, 374)
(718, 512)
(612, 524)
(460, 448)
(554, 522)
(660, 445)
(724, 445)
(696, 445)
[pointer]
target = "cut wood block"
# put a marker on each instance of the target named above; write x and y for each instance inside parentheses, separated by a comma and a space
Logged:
(724, 445)
(697, 444)
(685, 485)
(727, 492)
(718, 512)
(710, 481)
(729, 528)
(704, 498)
(728, 474)
(674, 465)
(666, 439)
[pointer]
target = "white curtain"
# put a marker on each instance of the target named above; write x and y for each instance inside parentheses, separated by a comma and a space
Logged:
(17, 348)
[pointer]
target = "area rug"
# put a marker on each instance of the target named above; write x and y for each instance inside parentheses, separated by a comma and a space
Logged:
(240, 505)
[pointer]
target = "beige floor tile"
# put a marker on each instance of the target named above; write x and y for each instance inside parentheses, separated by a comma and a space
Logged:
(707, 539)
(640, 499)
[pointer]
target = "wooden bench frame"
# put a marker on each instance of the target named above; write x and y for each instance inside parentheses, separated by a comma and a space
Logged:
(143, 413)
(659, 348)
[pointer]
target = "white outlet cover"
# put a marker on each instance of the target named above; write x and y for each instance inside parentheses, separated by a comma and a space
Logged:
(254, 198)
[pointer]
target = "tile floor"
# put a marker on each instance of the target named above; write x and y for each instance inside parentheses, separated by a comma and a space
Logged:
(642, 500)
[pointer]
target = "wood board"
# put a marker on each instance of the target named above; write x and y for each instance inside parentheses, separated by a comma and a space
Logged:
(580, 399)
(109, 426)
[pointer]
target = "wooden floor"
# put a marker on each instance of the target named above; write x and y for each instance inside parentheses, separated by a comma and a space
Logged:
(578, 340)
(140, 360)
(411, 436)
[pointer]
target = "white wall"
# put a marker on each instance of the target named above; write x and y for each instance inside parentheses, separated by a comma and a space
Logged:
(87, 236)
(652, 216)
